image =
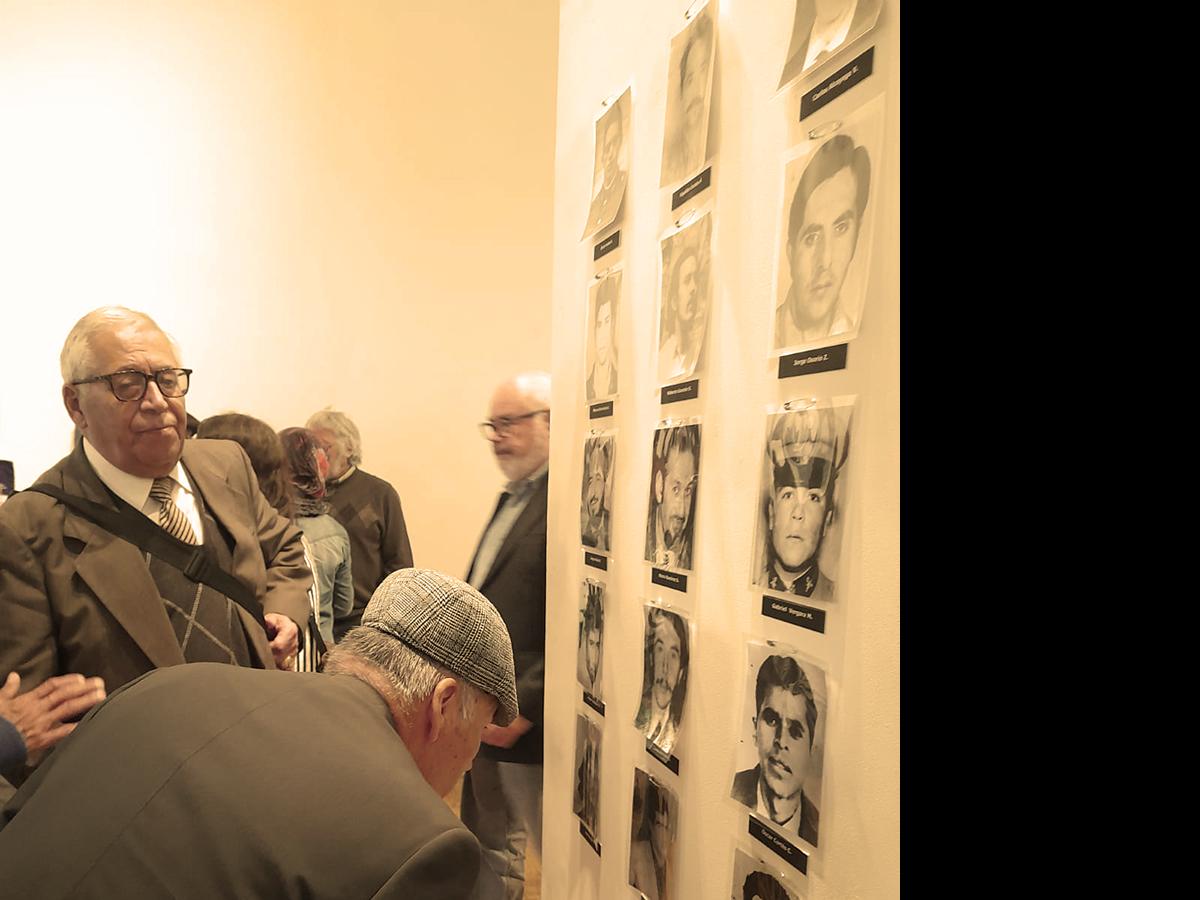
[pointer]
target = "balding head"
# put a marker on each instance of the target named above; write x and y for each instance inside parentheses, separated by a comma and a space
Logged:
(520, 415)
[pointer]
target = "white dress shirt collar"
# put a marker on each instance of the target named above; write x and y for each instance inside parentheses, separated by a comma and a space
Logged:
(133, 489)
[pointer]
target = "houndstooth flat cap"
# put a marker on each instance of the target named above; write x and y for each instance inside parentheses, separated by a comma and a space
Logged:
(452, 624)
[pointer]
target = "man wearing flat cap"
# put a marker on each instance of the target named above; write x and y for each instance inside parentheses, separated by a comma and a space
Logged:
(216, 781)
(803, 457)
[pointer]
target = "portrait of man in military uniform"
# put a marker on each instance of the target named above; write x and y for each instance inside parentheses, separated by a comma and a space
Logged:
(804, 462)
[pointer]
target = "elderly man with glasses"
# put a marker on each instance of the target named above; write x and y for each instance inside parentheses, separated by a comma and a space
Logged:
(142, 549)
(502, 794)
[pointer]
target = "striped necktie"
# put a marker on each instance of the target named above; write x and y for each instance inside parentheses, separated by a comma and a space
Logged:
(170, 516)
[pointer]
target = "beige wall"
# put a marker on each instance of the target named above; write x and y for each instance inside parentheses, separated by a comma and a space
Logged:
(327, 203)
(603, 47)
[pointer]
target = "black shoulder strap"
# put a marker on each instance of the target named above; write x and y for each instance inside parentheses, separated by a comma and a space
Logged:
(134, 527)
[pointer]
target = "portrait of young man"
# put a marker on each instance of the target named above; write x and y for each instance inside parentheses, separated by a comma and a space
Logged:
(611, 169)
(586, 800)
(664, 677)
(602, 338)
(820, 28)
(652, 837)
(689, 90)
(783, 715)
(674, 482)
(825, 232)
(595, 522)
(590, 655)
(685, 299)
(803, 473)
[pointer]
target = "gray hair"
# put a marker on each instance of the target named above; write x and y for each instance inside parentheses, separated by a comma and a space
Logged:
(534, 387)
(344, 430)
(77, 359)
(409, 675)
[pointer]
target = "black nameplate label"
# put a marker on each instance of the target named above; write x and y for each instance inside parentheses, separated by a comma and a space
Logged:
(600, 410)
(666, 759)
(806, 362)
(794, 613)
(692, 188)
(594, 702)
(595, 560)
(781, 845)
(838, 83)
(608, 245)
(687, 390)
(672, 580)
(587, 836)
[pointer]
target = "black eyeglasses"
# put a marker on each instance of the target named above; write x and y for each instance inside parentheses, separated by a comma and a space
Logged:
(131, 385)
(504, 424)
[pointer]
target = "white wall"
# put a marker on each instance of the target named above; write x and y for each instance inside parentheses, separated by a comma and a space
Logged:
(603, 46)
(326, 203)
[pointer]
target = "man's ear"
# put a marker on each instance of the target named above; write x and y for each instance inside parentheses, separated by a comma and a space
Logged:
(770, 515)
(658, 487)
(70, 396)
(442, 706)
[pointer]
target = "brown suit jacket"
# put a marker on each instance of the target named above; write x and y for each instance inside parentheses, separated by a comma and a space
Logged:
(74, 598)
(209, 780)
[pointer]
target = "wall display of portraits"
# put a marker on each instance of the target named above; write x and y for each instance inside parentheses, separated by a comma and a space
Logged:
(820, 28)
(674, 485)
(589, 665)
(666, 652)
(755, 880)
(802, 489)
(781, 737)
(600, 354)
(652, 837)
(610, 171)
(689, 96)
(595, 502)
(586, 799)
(825, 233)
(685, 299)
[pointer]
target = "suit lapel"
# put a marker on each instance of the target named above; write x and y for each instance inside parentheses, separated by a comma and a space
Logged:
(533, 513)
(211, 484)
(115, 571)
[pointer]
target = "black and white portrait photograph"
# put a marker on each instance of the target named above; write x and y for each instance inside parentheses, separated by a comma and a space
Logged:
(802, 489)
(755, 880)
(664, 677)
(601, 350)
(825, 233)
(674, 483)
(689, 92)
(781, 736)
(684, 299)
(822, 27)
(590, 655)
(586, 800)
(652, 837)
(611, 167)
(595, 522)
(7, 479)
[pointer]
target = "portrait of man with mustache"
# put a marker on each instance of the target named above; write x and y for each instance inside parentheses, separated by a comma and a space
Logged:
(674, 480)
(665, 674)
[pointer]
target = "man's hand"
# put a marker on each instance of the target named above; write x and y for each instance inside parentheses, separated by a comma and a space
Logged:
(505, 735)
(40, 715)
(285, 640)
